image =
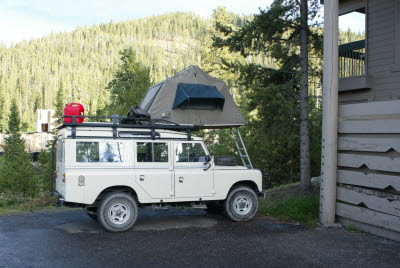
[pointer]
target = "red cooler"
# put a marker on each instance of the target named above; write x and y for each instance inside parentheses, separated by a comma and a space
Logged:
(74, 109)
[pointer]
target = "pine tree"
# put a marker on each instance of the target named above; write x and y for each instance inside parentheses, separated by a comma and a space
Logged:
(282, 30)
(60, 103)
(129, 85)
(17, 175)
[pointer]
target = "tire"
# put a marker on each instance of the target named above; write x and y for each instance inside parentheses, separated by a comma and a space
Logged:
(241, 204)
(117, 212)
(93, 217)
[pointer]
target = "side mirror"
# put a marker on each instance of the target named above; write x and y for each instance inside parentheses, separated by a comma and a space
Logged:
(208, 160)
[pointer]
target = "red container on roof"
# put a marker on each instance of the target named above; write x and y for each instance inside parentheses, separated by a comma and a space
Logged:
(74, 109)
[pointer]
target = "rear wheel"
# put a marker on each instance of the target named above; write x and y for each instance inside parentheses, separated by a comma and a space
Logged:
(241, 204)
(117, 212)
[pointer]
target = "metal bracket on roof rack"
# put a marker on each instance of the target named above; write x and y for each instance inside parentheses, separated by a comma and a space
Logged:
(73, 132)
(153, 132)
(73, 128)
(115, 122)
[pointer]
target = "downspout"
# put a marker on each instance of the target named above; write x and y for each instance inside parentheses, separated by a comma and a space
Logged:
(329, 114)
(53, 164)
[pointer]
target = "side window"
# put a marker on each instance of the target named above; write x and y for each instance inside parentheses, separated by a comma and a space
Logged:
(99, 152)
(190, 152)
(60, 150)
(152, 152)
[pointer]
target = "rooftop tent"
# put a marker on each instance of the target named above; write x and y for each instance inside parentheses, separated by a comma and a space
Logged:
(193, 97)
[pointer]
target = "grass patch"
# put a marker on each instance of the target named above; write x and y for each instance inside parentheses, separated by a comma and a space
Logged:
(16, 204)
(352, 228)
(289, 203)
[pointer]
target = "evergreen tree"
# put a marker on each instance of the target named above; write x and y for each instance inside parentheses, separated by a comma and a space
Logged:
(129, 85)
(60, 103)
(14, 123)
(17, 175)
(283, 30)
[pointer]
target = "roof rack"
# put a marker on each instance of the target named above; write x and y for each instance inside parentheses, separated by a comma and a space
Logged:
(152, 124)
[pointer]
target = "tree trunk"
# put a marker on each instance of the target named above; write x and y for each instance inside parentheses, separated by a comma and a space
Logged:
(305, 179)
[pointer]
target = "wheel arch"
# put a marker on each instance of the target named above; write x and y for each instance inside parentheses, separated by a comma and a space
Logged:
(117, 188)
(251, 184)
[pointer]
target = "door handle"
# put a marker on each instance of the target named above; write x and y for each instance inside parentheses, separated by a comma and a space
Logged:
(141, 178)
(180, 179)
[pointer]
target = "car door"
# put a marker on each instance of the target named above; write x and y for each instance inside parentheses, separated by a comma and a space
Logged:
(193, 178)
(153, 168)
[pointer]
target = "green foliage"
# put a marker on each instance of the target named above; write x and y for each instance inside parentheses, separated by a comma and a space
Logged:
(44, 171)
(12, 204)
(60, 103)
(17, 175)
(129, 85)
(14, 123)
(300, 208)
(268, 89)
(352, 228)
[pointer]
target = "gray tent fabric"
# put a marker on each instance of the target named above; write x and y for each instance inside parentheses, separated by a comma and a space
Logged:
(199, 88)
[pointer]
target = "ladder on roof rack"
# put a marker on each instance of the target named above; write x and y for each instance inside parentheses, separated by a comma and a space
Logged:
(241, 148)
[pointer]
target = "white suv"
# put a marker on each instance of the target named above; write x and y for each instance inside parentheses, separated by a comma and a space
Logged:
(112, 172)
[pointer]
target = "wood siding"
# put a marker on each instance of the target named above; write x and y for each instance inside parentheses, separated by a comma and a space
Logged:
(368, 189)
(368, 179)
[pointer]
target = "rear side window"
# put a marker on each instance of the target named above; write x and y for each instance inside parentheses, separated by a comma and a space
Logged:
(99, 152)
(152, 152)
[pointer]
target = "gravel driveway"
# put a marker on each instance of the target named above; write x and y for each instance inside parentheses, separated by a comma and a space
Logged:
(178, 237)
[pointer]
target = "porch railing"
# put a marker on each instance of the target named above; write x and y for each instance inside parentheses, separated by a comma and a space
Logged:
(352, 59)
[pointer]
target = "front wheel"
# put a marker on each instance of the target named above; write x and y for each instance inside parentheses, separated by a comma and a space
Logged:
(117, 212)
(241, 204)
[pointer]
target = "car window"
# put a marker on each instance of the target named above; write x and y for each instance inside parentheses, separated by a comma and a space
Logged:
(152, 152)
(190, 152)
(99, 152)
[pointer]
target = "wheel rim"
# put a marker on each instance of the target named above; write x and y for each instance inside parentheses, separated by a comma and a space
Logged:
(242, 204)
(119, 213)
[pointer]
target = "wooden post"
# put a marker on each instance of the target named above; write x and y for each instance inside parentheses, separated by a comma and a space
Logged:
(329, 113)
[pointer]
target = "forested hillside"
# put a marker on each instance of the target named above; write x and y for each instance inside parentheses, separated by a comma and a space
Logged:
(86, 59)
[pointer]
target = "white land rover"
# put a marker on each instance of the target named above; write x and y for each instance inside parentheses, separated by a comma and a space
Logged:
(113, 170)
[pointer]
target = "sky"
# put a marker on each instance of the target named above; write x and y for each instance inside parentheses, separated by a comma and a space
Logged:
(26, 19)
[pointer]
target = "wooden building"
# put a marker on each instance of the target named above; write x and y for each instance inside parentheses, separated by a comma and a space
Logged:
(34, 142)
(360, 176)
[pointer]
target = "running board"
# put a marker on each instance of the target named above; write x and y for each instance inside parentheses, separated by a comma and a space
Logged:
(159, 207)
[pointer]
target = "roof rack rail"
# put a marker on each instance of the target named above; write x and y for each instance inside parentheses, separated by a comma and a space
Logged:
(152, 124)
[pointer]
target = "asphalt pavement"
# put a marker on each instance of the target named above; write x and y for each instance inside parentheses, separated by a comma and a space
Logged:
(184, 238)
